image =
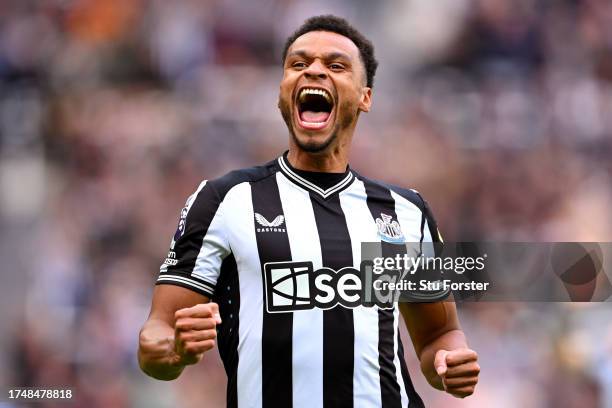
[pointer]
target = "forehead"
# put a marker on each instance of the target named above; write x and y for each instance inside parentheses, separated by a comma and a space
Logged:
(325, 42)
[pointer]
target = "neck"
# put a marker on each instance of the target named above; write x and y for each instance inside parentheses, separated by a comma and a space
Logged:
(332, 160)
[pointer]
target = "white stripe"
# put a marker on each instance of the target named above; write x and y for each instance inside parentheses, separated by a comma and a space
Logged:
(325, 193)
(362, 228)
(244, 244)
(409, 218)
(307, 324)
(396, 361)
(209, 285)
(215, 246)
(185, 281)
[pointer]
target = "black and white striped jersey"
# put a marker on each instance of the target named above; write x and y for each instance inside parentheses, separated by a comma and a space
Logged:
(249, 238)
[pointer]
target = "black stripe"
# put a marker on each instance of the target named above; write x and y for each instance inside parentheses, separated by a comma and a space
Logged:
(228, 299)
(414, 400)
(389, 387)
(380, 201)
(277, 331)
(338, 328)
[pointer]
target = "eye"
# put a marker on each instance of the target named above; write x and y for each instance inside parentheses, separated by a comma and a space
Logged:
(299, 64)
(336, 66)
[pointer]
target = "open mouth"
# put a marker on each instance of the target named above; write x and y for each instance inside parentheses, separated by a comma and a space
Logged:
(314, 108)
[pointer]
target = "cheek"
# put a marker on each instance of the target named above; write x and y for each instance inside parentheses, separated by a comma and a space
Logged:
(288, 82)
(350, 101)
(349, 91)
(285, 91)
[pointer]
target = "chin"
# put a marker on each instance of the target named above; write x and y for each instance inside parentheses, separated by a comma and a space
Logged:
(314, 143)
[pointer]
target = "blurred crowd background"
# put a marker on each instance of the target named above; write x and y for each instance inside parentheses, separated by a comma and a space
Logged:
(111, 112)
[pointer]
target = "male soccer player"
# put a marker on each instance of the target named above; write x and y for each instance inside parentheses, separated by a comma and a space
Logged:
(250, 244)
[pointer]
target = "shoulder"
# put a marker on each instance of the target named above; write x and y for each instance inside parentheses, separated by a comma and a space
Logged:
(209, 195)
(222, 185)
(408, 194)
(411, 196)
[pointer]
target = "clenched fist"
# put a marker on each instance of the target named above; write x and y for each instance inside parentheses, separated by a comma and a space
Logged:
(195, 331)
(458, 370)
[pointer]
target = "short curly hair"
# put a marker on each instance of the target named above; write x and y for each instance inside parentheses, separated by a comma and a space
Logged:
(340, 26)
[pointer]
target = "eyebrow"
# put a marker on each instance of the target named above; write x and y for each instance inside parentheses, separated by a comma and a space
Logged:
(329, 56)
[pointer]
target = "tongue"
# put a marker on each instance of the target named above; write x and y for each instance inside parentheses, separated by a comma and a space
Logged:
(310, 116)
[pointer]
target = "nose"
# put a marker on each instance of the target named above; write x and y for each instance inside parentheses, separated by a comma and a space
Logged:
(315, 70)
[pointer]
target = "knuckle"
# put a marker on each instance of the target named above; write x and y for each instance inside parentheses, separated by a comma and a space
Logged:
(204, 335)
(182, 313)
(143, 338)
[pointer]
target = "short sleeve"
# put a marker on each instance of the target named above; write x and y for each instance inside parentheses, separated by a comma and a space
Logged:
(431, 247)
(430, 230)
(199, 244)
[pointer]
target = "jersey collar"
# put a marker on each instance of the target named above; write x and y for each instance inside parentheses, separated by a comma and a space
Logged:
(292, 175)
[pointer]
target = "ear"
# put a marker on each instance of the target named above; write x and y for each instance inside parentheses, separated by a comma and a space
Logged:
(366, 99)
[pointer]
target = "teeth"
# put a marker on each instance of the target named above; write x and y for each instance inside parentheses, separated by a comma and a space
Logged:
(311, 91)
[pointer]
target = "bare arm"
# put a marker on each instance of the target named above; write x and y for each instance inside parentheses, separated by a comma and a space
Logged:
(446, 361)
(180, 328)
